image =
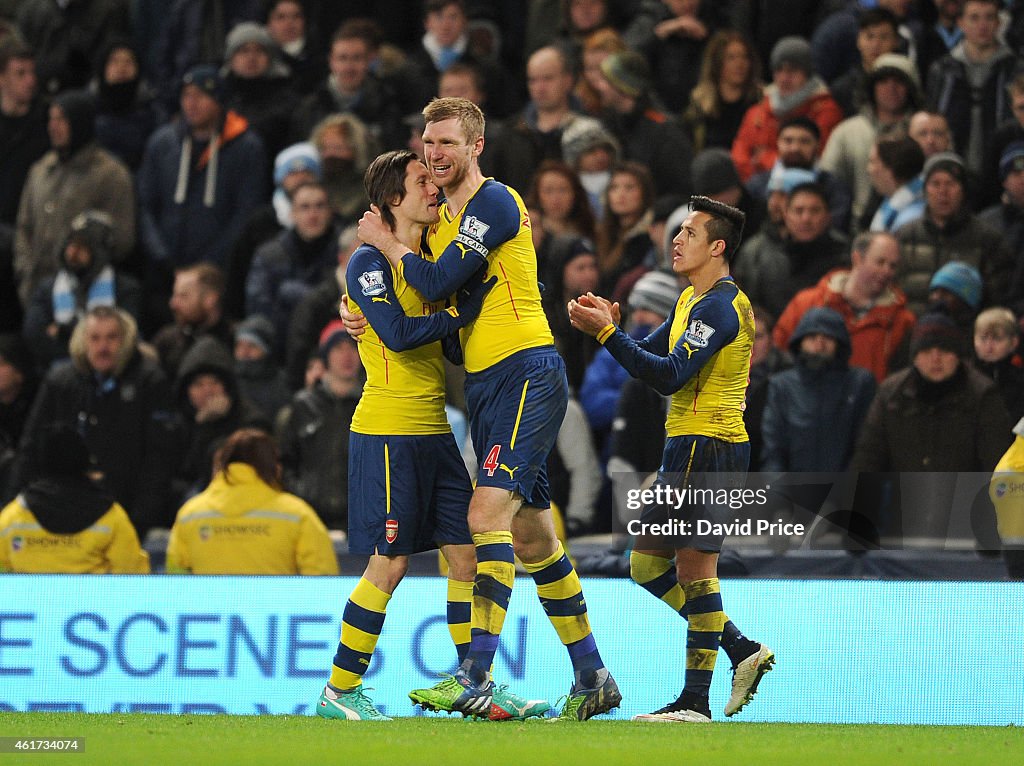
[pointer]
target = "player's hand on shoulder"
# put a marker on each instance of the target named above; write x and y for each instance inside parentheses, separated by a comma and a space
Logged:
(355, 324)
(372, 230)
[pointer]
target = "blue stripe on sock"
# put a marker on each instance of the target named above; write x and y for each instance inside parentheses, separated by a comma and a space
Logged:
(553, 572)
(696, 639)
(564, 607)
(366, 620)
(709, 602)
(459, 611)
(661, 584)
(495, 552)
(582, 648)
(489, 588)
(351, 660)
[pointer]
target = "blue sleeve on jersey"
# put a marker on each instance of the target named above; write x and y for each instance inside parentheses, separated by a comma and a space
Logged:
(491, 218)
(369, 279)
(713, 324)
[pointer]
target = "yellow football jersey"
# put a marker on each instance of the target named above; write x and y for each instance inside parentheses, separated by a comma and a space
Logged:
(711, 402)
(494, 224)
(404, 391)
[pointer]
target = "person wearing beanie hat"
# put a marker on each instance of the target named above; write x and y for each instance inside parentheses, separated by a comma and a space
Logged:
(86, 278)
(201, 177)
(794, 91)
(257, 85)
(892, 94)
(797, 146)
(646, 133)
(1007, 215)
(654, 293)
(961, 280)
(261, 379)
(628, 72)
(701, 359)
(64, 520)
(332, 334)
(793, 52)
(293, 166)
(76, 175)
(950, 231)
(940, 416)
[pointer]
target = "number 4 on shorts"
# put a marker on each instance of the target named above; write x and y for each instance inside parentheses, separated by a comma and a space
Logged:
(491, 463)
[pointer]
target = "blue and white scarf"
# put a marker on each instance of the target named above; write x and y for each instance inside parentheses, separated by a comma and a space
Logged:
(65, 295)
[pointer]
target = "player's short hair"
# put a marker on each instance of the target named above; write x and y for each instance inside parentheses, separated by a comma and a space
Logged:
(384, 180)
(210, 276)
(253, 447)
(470, 118)
(726, 223)
(997, 320)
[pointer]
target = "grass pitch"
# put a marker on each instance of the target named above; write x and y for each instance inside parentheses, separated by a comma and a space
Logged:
(295, 740)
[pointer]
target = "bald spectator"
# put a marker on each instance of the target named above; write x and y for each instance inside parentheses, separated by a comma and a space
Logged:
(931, 131)
(795, 90)
(873, 309)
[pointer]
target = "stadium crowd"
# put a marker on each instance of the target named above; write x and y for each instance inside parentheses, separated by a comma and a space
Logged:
(180, 184)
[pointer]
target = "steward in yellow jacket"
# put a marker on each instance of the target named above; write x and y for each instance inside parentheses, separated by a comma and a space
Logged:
(1007, 492)
(244, 523)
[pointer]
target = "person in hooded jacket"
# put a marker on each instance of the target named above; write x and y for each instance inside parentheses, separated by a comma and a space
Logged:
(86, 279)
(65, 520)
(127, 111)
(815, 409)
(261, 379)
(201, 178)
(75, 175)
(211, 408)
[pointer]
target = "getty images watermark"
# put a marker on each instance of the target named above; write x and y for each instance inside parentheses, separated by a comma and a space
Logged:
(825, 511)
(705, 519)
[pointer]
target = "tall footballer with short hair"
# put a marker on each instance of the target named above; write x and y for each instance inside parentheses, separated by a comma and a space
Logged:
(700, 357)
(516, 392)
(408, 486)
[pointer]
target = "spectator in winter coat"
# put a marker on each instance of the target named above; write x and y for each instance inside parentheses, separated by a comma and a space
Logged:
(996, 354)
(315, 430)
(22, 124)
(197, 306)
(127, 111)
(865, 296)
(120, 400)
(86, 279)
(261, 379)
(76, 175)
(815, 410)
(200, 178)
(794, 90)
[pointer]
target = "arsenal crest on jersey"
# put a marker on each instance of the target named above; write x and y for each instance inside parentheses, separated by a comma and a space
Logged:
(391, 530)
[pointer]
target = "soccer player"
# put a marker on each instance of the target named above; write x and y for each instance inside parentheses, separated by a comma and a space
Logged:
(516, 392)
(409, 488)
(701, 357)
